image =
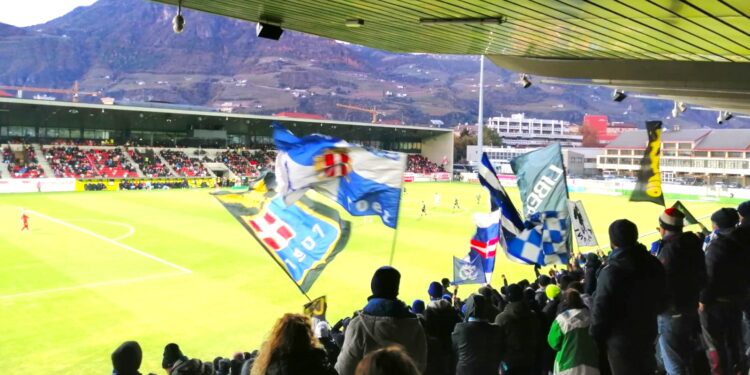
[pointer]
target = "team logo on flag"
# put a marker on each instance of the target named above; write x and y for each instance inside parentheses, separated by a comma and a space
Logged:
(333, 162)
(272, 231)
(468, 272)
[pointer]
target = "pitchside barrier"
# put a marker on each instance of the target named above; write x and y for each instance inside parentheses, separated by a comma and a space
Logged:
(36, 185)
(431, 177)
(113, 184)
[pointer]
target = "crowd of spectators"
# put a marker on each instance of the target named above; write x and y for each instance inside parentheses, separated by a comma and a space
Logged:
(420, 164)
(184, 165)
(27, 167)
(676, 309)
(69, 161)
(139, 185)
(111, 163)
(149, 163)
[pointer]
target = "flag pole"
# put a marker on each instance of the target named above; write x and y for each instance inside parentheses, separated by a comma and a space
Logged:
(393, 246)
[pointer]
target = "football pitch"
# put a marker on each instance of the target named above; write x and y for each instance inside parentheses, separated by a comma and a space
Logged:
(100, 268)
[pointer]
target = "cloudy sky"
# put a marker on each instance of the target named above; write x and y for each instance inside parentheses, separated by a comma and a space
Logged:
(33, 12)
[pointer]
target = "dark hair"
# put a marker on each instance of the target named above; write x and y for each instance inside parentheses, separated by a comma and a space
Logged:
(576, 285)
(291, 334)
(572, 299)
(445, 282)
(391, 360)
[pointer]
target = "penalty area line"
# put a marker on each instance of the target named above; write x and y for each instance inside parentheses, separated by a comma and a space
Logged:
(89, 286)
(111, 241)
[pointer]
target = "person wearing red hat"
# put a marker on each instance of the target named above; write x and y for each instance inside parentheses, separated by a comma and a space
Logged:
(685, 269)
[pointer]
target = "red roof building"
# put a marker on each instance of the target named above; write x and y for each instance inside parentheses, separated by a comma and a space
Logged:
(4, 94)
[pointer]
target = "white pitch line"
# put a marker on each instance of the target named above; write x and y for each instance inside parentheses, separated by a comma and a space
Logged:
(131, 229)
(88, 286)
(111, 241)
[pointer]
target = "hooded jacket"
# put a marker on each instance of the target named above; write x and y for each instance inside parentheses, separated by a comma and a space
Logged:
(630, 293)
(381, 323)
(521, 333)
(569, 336)
(440, 318)
(685, 270)
(727, 264)
(476, 342)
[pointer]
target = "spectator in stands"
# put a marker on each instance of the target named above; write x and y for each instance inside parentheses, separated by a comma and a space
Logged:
(387, 361)
(721, 301)
(440, 318)
(477, 344)
(384, 319)
(540, 295)
(126, 359)
(629, 295)
(742, 234)
(521, 334)
(292, 349)
(685, 269)
(591, 273)
(569, 336)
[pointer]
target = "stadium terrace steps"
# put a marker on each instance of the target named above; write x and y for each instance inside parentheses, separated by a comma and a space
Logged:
(166, 164)
(42, 161)
(132, 162)
(4, 172)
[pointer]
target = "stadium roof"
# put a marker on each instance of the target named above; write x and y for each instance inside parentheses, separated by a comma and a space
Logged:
(694, 51)
(53, 114)
(704, 139)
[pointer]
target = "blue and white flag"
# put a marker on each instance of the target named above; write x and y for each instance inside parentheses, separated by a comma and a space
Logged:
(362, 180)
(510, 221)
(541, 180)
(302, 238)
(485, 241)
(544, 240)
(468, 271)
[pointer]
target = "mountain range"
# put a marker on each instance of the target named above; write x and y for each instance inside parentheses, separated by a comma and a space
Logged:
(127, 50)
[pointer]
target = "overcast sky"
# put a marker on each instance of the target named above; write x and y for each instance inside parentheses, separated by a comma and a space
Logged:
(33, 12)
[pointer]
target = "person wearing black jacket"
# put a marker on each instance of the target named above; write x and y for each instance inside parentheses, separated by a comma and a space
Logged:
(629, 295)
(593, 266)
(685, 268)
(476, 342)
(727, 264)
(521, 334)
(742, 234)
(440, 319)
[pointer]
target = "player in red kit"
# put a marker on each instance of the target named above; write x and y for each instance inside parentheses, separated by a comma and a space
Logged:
(25, 219)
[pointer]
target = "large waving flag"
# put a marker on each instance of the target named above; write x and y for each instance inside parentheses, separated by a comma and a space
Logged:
(362, 180)
(648, 187)
(485, 241)
(302, 238)
(510, 221)
(541, 180)
(544, 241)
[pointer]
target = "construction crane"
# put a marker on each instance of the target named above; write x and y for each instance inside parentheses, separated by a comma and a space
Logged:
(373, 111)
(73, 91)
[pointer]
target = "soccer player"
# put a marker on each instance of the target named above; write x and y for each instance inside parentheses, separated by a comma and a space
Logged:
(437, 199)
(25, 220)
(424, 210)
(455, 204)
(479, 198)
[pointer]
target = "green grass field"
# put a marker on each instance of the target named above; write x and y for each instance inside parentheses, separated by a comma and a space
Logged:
(100, 268)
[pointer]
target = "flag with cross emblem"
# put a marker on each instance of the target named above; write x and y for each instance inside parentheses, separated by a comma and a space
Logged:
(302, 238)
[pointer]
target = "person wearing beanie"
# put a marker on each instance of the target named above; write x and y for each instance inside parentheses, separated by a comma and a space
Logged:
(591, 272)
(520, 334)
(685, 268)
(126, 359)
(725, 293)
(477, 343)
(417, 307)
(440, 318)
(630, 293)
(383, 321)
(172, 357)
(552, 291)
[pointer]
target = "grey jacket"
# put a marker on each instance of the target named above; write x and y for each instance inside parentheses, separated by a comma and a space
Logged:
(367, 333)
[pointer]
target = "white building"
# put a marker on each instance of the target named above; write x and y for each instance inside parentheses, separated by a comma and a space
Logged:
(519, 131)
(579, 162)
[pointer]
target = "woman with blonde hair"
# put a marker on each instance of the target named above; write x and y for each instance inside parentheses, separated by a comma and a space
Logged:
(391, 360)
(292, 349)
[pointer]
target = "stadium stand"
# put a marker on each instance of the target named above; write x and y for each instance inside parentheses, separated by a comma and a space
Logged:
(183, 165)
(27, 167)
(149, 162)
(420, 164)
(109, 163)
(69, 161)
(246, 163)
